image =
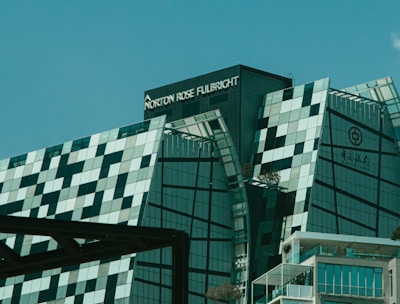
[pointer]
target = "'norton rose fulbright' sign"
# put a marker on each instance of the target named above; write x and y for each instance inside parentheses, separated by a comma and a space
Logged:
(150, 104)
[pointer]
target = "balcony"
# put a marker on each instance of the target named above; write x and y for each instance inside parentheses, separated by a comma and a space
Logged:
(292, 283)
(290, 292)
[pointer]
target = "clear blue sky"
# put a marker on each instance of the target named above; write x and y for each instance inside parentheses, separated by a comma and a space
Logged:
(73, 68)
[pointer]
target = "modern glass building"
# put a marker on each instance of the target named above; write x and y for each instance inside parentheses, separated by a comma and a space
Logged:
(337, 152)
(183, 175)
(237, 158)
(102, 178)
(337, 155)
(236, 91)
(197, 186)
(323, 268)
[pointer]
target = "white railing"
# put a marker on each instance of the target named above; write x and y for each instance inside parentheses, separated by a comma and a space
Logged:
(299, 291)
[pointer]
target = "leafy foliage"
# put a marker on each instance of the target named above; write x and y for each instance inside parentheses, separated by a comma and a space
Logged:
(224, 293)
(270, 177)
(396, 234)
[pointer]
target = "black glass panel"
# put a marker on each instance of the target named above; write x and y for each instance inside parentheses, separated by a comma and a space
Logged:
(308, 90)
(29, 180)
(120, 187)
(316, 141)
(79, 144)
(257, 159)
(145, 161)
(298, 148)
(134, 129)
(17, 161)
(288, 94)
(87, 188)
(262, 123)
(280, 142)
(214, 125)
(270, 140)
(314, 109)
(100, 149)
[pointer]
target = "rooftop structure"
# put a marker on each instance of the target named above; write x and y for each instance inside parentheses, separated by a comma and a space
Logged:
(328, 268)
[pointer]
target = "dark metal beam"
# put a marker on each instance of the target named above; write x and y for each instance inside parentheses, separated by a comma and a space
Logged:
(9, 255)
(49, 227)
(70, 245)
(101, 241)
(180, 262)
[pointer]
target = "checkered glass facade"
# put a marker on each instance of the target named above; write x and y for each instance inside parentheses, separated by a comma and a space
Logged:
(102, 178)
(357, 181)
(183, 175)
(336, 152)
(286, 142)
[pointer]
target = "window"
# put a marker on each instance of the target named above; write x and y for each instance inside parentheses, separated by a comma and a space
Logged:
(287, 94)
(378, 282)
(337, 272)
(28, 180)
(314, 109)
(270, 140)
(280, 142)
(134, 129)
(316, 141)
(354, 280)
(321, 277)
(369, 275)
(298, 148)
(145, 161)
(257, 159)
(263, 123)
(282, 164)
(346, 279)
(100, 150)
(308, 89)
(350, 280)
(80, 144)
(329, 278)
(53, 151)
(17, 161)
(214, 125)
(362, 281)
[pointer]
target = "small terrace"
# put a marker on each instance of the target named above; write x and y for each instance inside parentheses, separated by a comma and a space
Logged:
(290, 282)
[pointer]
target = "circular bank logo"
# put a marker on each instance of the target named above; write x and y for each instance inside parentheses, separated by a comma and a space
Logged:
(355, 136)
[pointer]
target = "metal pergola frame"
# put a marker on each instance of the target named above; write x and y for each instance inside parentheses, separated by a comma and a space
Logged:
(102, 241)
